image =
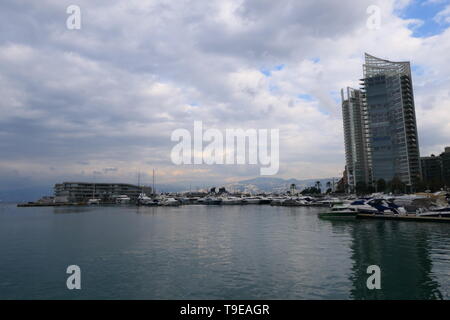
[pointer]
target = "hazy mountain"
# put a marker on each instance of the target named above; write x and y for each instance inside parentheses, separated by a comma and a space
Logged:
(275, 184)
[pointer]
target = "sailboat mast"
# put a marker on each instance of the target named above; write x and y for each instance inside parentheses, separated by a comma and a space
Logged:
(153, 188)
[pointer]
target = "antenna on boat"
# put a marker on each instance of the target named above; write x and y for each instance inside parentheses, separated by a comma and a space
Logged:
(139, 178)
(93, 189)
(153, 182)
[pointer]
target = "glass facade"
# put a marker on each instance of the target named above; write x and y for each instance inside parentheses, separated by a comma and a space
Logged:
(380, 125)
(353, 112)
(393, 149)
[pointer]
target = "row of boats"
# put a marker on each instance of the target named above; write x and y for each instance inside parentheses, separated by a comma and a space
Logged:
(235, 200)
(386, 206)
(419, 205)
(208, 200)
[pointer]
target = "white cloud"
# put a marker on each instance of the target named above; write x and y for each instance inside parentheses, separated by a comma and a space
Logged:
(443, 17)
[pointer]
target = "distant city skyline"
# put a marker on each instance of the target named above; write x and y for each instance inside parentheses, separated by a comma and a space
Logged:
(99, 103)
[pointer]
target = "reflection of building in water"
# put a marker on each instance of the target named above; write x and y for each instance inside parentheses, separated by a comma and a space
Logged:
(402, 251)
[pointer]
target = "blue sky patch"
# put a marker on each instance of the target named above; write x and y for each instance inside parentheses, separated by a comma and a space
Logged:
(306, 97)
(426, 11)
(417, 70)
(268, 72)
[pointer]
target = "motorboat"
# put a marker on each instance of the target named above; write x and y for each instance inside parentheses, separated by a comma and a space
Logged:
(201, 201)
(380, 206)
(93, 201)
(291, 202)
(231, 201)
(251, 200)
(434, 212)
(364, 206)
(186, 200)
(122, 199)
(170, 202)
(145, 200)
(213, 201)
(265, 200)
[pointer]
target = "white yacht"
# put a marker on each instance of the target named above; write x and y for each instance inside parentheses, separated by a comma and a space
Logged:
(122, 199)
(170, 202)
(231, 201)
(93, 201)
(252, 200)
(443, 212)
(144, 200)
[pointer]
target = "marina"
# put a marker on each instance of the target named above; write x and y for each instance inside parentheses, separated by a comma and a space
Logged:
(418, 207)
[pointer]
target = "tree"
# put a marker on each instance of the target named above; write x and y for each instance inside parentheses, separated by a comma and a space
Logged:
(361, 188)
(421, 186)
(396, 185)
(318, 185)
(312, 190)
(381, 185)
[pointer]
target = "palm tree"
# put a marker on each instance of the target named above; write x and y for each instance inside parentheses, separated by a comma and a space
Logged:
(329, 190)
(318, 185)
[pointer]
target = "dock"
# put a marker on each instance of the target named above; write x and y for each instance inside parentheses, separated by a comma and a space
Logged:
(36, 204)
(409, 217)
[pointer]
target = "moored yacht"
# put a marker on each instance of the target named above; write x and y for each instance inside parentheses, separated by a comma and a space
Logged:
(435, 212)
(364, 206)
(93, 201)
(145, 200)
(122, 199)
(170, 202)
(231, 201)
(213, 201)
(251, 200)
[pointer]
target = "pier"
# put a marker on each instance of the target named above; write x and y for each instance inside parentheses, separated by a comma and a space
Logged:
(37, 204)
(408, 217)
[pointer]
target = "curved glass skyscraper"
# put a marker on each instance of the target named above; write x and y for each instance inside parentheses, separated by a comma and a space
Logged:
(391, 145)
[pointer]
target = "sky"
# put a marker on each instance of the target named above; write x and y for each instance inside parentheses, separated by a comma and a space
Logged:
(100, 103)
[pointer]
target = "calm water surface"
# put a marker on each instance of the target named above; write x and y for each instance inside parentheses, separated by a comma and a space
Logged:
(207, 252)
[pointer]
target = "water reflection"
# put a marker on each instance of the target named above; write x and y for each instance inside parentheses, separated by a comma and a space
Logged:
(71, 210)
(402, 251)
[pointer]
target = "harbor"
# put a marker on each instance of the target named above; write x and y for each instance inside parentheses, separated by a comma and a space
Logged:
(419, 207)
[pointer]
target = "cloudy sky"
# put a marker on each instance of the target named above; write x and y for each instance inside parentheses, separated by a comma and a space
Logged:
(101, 102)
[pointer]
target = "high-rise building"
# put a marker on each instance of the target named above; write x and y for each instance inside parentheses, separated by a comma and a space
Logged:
(393, 142)
(432, 170)
(353, 114)
(445, 158)
(385, 120)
